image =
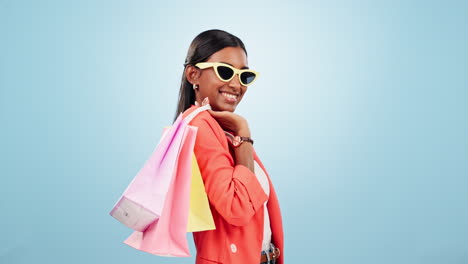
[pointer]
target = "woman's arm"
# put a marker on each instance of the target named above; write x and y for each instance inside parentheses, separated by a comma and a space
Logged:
(233, 189)
(239, 125)
(244, 153)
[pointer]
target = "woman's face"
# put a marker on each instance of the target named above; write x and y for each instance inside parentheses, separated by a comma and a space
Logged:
(223, 96)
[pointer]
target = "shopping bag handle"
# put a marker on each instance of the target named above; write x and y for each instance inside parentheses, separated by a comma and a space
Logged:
(196, 112)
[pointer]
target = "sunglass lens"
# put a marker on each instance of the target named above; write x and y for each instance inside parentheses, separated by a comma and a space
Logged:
(247, 77)
(225, 72)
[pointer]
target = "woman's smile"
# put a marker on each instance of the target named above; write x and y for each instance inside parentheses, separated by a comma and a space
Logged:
(230, 97)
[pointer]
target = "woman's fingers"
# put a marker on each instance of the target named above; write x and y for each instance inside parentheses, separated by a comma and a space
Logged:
(217, 114)
(226, 119)
(214, 113)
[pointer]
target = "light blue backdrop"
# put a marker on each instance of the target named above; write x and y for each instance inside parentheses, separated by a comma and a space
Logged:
(360, 116)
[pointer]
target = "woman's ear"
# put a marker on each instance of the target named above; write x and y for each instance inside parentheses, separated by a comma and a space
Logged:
(192, 74)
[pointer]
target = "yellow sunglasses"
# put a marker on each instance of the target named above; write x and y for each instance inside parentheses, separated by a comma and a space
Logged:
(226, 72)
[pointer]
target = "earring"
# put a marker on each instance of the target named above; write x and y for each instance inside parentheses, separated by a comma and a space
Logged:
(195, 87)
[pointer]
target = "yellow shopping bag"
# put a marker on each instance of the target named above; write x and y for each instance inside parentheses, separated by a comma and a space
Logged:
(200, 217)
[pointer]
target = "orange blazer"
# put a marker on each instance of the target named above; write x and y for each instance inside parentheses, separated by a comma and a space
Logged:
(236, 201)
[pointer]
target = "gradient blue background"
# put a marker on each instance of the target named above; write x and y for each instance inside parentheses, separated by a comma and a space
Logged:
(360, 116)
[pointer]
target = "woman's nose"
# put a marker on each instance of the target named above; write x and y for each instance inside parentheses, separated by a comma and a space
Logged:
(235, 83)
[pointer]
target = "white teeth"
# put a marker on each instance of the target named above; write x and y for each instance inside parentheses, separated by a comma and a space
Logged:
(230, 95)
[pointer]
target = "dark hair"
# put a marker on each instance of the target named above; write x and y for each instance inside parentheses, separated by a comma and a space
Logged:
(201, 48)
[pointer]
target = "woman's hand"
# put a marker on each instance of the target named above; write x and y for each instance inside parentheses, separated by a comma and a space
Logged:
(230, 121)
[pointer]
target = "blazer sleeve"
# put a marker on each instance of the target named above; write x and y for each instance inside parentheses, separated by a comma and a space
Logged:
(233, 190)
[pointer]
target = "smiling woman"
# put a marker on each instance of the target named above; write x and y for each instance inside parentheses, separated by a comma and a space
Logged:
(242, 198)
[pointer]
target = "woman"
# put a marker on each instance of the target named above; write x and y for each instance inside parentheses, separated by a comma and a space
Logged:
(242, 198)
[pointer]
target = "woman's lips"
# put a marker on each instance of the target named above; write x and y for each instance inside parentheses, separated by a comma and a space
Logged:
(231, 98)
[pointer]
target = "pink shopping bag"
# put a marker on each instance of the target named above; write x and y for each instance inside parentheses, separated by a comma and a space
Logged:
(167, 235)
(143, 201)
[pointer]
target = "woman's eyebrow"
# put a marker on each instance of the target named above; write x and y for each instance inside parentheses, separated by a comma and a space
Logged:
(245, 67)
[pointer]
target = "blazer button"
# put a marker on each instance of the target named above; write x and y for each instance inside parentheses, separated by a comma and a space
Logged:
(233, 248)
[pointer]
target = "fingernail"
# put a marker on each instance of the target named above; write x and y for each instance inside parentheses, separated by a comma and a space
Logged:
(205, 101)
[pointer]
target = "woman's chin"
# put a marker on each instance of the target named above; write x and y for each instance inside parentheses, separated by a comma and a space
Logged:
(224, 107)
(230, 108)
